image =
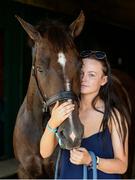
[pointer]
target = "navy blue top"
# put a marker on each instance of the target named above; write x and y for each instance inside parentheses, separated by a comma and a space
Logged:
(101, 144)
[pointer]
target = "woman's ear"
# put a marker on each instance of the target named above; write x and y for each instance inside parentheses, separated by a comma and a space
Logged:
(104, 80)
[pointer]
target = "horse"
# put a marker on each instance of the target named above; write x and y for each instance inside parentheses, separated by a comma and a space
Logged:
(54, 77)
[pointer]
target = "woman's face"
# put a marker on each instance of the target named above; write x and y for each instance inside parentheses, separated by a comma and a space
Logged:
(92, 76)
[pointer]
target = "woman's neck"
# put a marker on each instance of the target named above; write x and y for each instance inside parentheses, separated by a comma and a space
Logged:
(86, 102)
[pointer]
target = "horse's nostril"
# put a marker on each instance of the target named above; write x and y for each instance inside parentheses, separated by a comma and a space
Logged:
(72, 136)
(61, 133)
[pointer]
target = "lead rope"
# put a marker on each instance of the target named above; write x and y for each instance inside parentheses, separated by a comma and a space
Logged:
(57, 165)
(94, 167)
(85, 168)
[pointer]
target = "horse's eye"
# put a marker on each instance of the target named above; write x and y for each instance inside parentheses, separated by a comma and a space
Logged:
(59, 71)
(39, 69)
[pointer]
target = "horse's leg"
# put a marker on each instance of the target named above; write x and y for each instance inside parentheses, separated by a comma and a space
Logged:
(31, 168)
(48, 165)
(22, 174)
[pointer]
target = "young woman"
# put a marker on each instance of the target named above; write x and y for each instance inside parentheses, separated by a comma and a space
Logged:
(105, 120)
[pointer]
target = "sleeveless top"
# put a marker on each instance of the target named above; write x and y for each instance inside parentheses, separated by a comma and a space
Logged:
(101, 144)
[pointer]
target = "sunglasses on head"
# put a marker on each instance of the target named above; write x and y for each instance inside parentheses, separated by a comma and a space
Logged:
(97, 54)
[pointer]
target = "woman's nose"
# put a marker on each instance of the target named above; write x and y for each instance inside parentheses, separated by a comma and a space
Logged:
(84, 78)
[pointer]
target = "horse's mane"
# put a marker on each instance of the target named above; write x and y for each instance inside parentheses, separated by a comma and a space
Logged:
(57, 34)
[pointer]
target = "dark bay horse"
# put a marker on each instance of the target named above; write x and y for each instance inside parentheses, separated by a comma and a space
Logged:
(54, 77)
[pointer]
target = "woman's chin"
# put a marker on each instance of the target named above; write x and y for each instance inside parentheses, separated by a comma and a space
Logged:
(84, 91)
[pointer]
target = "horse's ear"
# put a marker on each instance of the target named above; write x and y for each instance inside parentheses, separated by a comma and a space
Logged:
(77, 25)
(31, 31)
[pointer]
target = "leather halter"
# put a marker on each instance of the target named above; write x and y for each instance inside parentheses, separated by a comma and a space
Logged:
(47, 101)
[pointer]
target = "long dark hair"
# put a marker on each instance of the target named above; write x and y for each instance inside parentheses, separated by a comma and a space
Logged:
(117, 107)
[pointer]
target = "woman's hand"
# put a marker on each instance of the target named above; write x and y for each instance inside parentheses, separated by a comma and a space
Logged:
(80, 156)
(60, 113)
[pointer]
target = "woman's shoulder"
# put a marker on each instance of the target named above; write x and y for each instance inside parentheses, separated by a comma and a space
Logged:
(116, 120)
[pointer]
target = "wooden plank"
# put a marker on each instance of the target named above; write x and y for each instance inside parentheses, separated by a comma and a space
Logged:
(66, 6)
(118, 12)
(8, 168)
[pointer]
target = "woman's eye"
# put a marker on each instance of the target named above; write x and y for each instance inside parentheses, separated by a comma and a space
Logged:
(81, 73)
(92, 75)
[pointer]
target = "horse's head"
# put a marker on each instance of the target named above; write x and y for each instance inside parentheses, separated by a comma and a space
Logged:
(56, 67)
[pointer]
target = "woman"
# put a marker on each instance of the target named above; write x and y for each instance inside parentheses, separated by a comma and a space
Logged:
(105, 121)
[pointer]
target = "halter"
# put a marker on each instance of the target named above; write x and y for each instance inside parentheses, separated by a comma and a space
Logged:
(62, 95)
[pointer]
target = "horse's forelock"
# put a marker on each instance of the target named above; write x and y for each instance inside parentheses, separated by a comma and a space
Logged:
(57, 35)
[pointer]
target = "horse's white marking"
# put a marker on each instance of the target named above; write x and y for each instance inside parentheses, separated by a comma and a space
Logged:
(62, 62)
(72, 136)
(61, 59)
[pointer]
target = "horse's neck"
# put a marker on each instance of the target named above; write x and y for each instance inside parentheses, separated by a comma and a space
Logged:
(34, 104)
(33, 99)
